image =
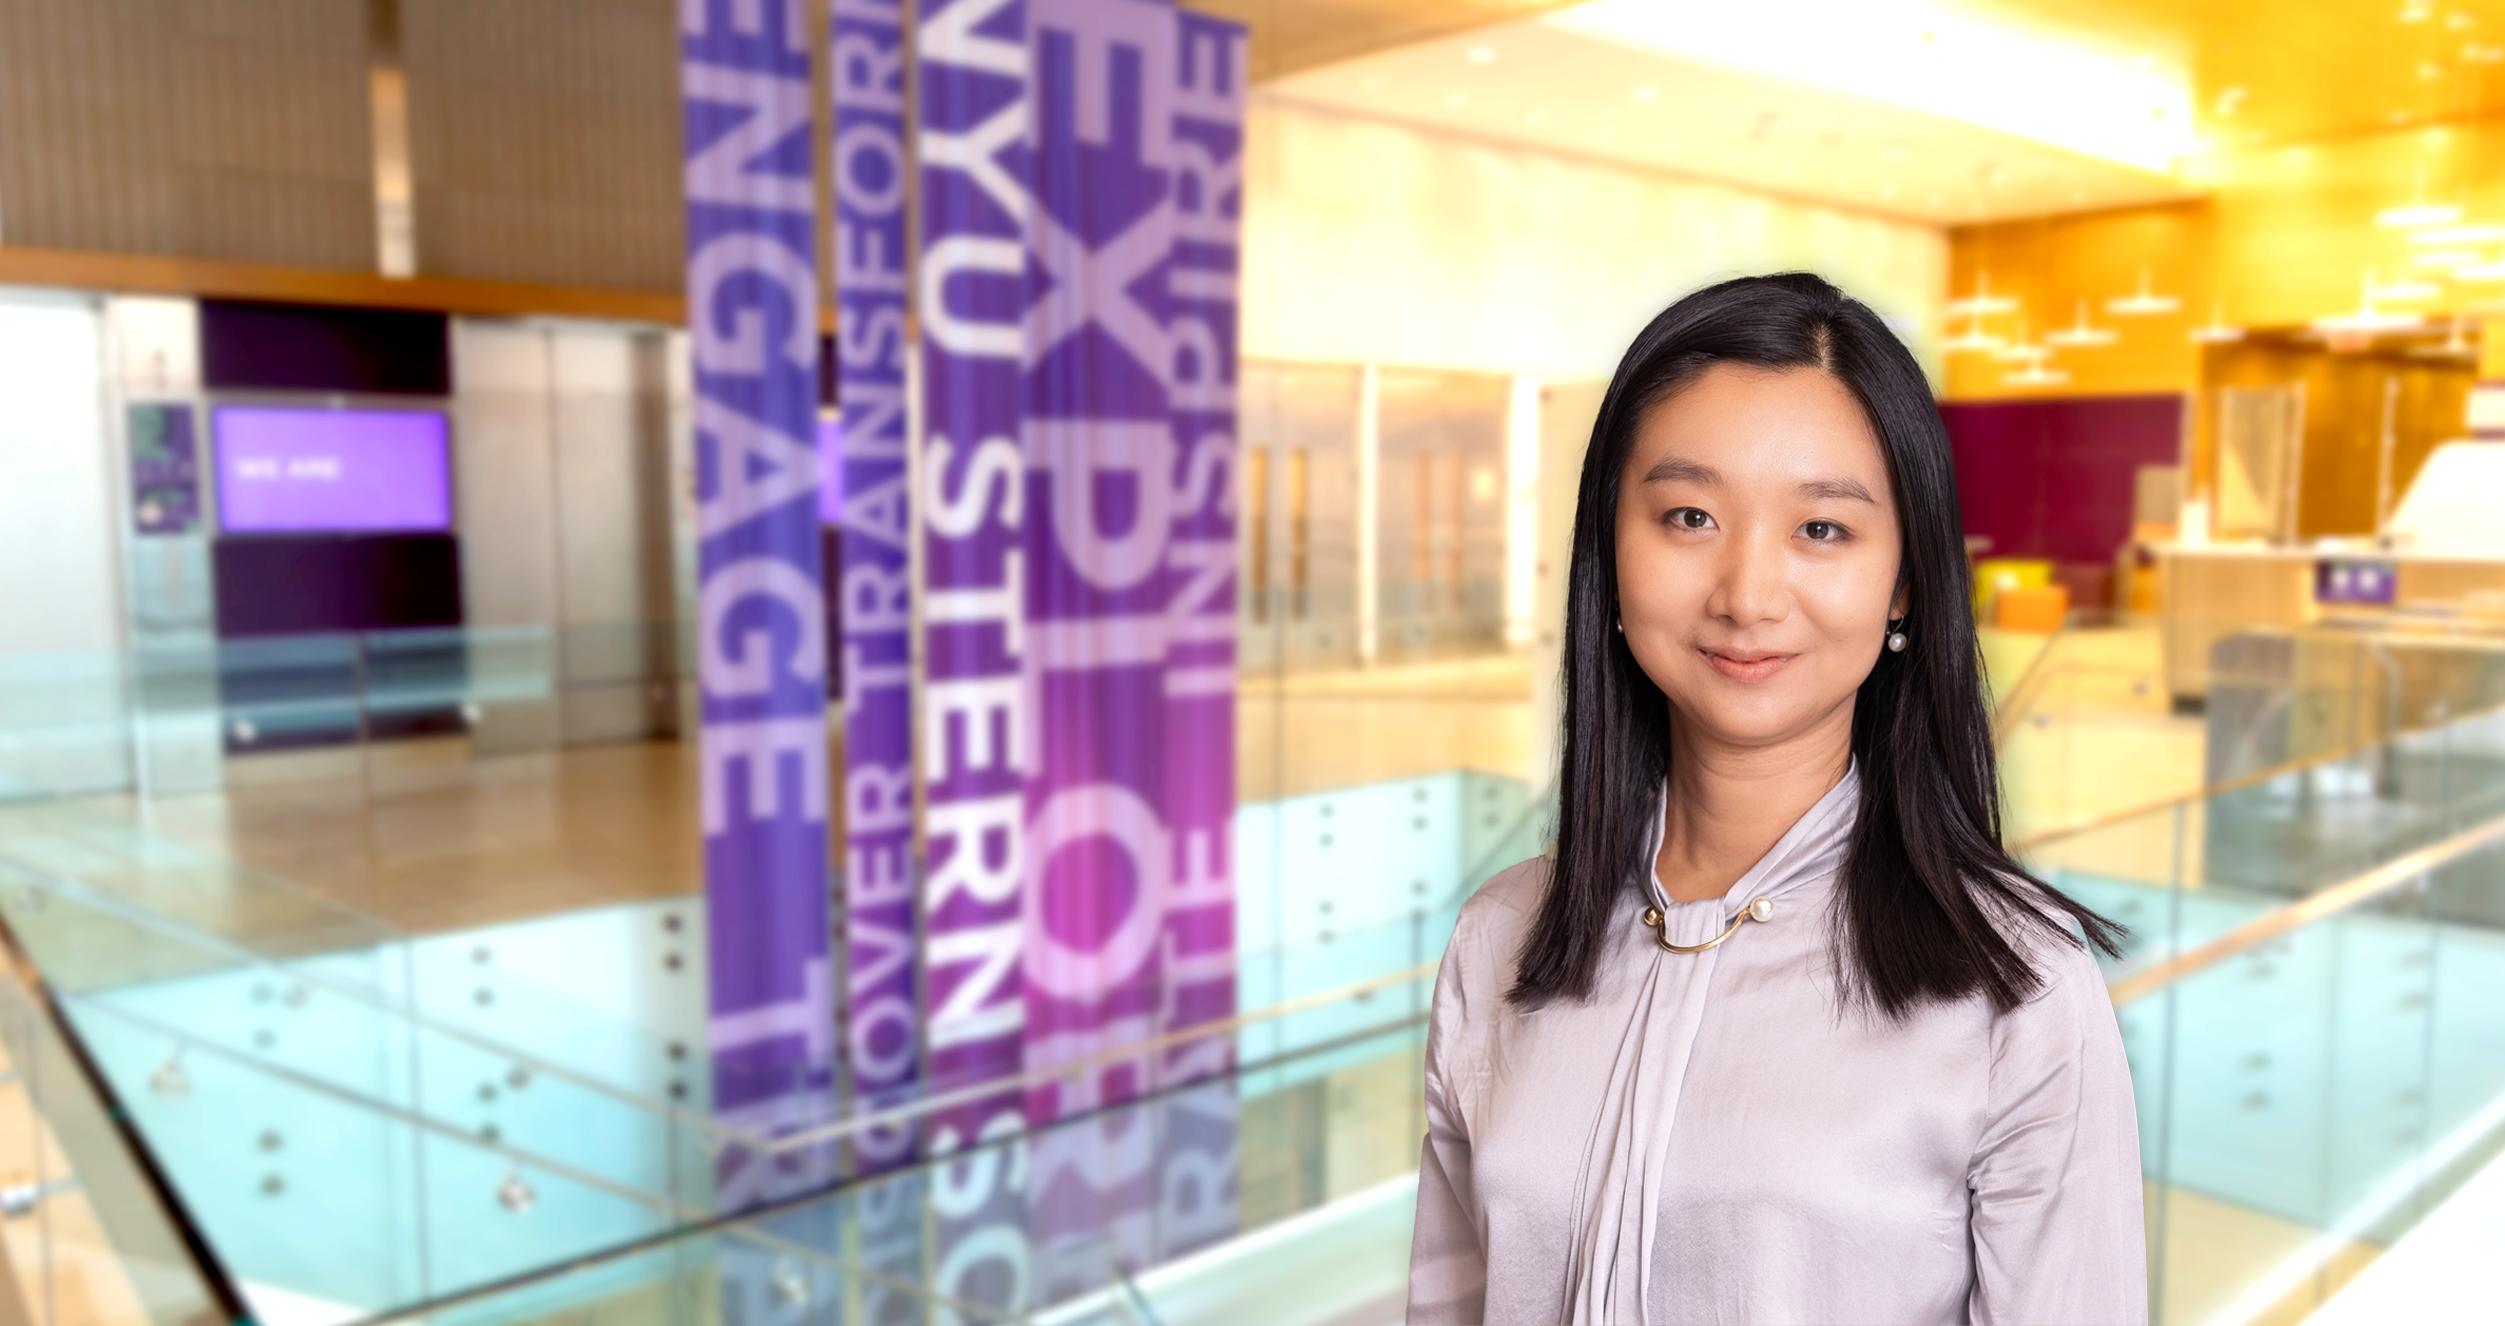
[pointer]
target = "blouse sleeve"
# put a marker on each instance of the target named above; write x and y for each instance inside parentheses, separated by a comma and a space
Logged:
(1447, 1261)
(2056, 1212)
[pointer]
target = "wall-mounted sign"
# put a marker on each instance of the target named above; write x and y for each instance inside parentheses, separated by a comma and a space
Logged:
(2342, 580)
(299, 470)
(164, 468)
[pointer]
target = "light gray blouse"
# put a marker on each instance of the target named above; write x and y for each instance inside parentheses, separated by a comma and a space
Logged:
(1713, 1139)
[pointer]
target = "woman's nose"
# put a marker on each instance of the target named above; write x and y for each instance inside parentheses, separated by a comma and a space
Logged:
(1751, 588)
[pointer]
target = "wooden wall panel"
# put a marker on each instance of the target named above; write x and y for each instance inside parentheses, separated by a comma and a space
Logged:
(232, 130)
(544, 141)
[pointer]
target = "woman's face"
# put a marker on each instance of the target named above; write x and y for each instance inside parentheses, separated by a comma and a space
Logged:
(1757, 551)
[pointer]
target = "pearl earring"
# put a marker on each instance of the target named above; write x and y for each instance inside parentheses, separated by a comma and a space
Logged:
(1896, 638)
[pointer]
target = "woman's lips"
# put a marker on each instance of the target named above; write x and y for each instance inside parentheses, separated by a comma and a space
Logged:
(1757, 669)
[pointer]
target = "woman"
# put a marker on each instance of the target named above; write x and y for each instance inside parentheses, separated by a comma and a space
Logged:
(1780, 1033)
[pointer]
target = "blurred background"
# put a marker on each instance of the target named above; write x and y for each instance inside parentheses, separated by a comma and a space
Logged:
(353, 670)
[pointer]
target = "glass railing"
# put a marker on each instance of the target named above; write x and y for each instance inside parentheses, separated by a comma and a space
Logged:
(286, 1052)
(2311, 1006)
(84, 1227)
(480, 1106)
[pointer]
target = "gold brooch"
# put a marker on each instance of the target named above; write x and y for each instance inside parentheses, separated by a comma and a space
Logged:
(1760, 910)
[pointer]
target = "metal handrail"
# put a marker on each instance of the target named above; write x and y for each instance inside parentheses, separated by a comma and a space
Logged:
(2313, 907)
(2241, 782)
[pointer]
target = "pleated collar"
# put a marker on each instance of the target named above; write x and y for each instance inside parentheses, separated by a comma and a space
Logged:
(1809, 851)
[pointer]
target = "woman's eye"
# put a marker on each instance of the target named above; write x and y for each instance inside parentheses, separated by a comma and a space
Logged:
(1687, 517)
(1834, 532)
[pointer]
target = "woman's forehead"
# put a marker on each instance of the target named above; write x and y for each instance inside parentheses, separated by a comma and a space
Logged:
(1739, 423)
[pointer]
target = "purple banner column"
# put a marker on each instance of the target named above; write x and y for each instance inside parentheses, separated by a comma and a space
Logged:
(1100, 451)
(978, 721)
(883, 1038)
(1197, 1129)
(882, 1033)
(760, 630)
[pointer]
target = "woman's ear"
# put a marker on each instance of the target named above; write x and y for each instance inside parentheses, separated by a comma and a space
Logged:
(1904, 599)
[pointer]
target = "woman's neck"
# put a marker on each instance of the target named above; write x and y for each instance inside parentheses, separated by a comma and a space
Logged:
(1727, 806)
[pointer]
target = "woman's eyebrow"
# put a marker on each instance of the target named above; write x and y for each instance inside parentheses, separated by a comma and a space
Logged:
(1838, 489)
(1679, 469)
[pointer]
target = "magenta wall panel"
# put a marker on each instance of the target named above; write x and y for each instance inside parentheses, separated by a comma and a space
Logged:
(2053, 478)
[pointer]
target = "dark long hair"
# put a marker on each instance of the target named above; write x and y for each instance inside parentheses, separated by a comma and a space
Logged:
(1927, 894)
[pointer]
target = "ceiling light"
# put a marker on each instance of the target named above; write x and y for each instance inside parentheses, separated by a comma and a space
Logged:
(1535, 117)
(2415, 11)
(2419, 212)
(2217, 332)
(2445, 259)
(2430, 70)
(1646, 92)
(1481, 55)
(2018, 351)
(1982, 301)
(2404, 291)
(2457, 235)
(2486, 271)
(1896, 151)
(2365, 317)
(2036, 375)
(2454, 346)
(2144, 302)
(1455, 101)
(2079, 332)
(1973, 339)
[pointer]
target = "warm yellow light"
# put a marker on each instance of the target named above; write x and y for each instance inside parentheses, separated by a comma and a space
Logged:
(2418, 214)
(2080, 333)
(2434, 235)
(2034, 80)
(2445, 259)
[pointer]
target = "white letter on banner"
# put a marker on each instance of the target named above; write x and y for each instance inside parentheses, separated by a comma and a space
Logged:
(740, 347)
(1072, 453)
(971, 256)
(720, 171)
(1094, 285)
(754, 744)
(791, 467)
(1120, 816)
(955, 36)
(747, 670)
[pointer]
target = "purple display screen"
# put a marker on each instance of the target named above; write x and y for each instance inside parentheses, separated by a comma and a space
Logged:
(284, 470)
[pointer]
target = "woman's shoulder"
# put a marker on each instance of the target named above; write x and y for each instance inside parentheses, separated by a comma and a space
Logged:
(1493, 920)
(1510, 897)
(2055, 946)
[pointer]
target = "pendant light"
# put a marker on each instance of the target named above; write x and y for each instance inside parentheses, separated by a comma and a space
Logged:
(2019, 352)
(2454, 346)
(2217, 332)
(1982, 301)
(2365, 317)
(2079, 332)
(2419, 213)
(2144, 303)
(1973, 339)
